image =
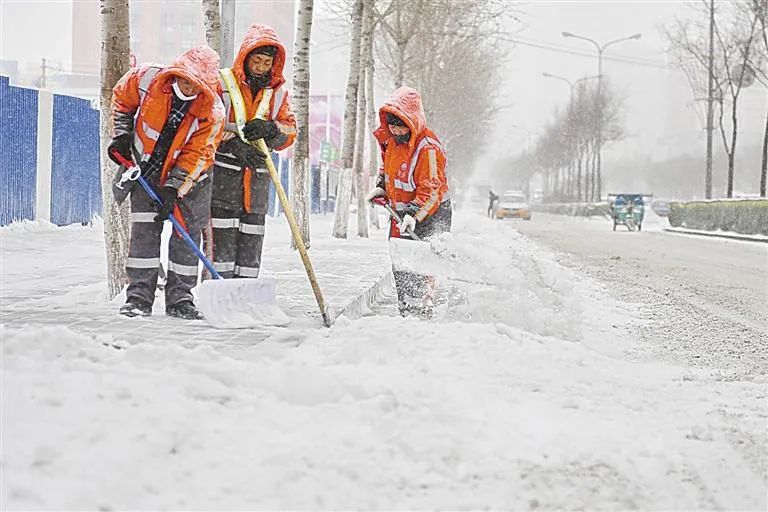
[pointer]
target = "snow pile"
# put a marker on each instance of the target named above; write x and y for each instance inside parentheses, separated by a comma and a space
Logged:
(492, 405)
(446, 416)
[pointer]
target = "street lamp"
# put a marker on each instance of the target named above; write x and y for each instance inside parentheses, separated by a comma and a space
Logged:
(600, 49)
(571, 83)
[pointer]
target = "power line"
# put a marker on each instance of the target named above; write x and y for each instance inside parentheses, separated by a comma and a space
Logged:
(544, 45)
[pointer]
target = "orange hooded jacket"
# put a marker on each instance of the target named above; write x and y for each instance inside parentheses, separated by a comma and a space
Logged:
(413, 172)
(279, 105)
(146, 92)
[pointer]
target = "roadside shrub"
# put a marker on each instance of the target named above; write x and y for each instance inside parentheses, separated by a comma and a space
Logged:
(746, 216)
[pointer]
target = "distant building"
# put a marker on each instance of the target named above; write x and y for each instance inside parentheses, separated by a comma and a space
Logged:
(160, 31)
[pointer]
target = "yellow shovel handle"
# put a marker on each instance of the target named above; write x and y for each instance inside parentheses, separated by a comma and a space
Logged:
(294, 231)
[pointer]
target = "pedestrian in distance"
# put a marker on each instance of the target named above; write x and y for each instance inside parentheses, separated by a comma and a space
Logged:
(413, 180)
(492, 198)
(168, 120)
(257, 107)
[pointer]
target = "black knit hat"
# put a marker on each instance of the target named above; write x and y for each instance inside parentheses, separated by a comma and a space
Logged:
(265, 50)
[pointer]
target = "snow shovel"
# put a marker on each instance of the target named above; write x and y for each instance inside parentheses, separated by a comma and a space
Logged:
(298, 240)
(225, 303)
(425, 258)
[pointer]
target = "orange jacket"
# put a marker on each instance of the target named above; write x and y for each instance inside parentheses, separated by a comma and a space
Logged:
(279, 105)
(413, 172)
(145, 92)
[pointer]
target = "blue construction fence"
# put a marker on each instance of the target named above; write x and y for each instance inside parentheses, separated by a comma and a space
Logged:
(49, 156)
(49, 159)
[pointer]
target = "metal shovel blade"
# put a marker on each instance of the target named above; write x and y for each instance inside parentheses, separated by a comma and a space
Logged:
(241, 303)
(415, 257)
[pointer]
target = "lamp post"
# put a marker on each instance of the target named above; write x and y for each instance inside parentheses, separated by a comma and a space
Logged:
(571, 83)
(600, 49)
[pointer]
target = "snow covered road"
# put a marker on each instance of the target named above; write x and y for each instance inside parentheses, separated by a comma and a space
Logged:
(707, 298)
(539, 391)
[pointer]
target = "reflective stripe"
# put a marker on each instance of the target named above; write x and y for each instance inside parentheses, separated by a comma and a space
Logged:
(400, 206)
(251, 229)
(237, 102)
(402, 185)
(142, 262)
(279, 97)
(261, 110)
(192, 129)
(202, 161)
(432, 201)
(151, 132)
(149, 75)
(225, 223)
(228, 166)
(183, 270)
(246, 271)
(142, 216)
(224, 266)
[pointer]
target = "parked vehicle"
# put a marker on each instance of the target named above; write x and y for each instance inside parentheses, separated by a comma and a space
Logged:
(661, 208)
(512, 204)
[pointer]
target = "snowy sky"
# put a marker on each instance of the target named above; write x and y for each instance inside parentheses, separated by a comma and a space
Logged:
(659, 113)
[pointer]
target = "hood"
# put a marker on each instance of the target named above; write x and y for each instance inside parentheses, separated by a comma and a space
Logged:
(199, 65)
(261, 35)
(405, 103)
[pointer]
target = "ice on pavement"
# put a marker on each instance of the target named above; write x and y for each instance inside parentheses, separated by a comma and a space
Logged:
(522, 395)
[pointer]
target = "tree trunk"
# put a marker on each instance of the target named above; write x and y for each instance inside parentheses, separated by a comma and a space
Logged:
(115, 61)
(212, 23)
(341, 219)
(764, 163)
(371, 114)
(578, 174)
(732, 152)
(301, 101)
(358, 165)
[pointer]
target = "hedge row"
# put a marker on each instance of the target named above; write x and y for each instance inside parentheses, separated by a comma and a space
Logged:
(749, 217)
(574, 209)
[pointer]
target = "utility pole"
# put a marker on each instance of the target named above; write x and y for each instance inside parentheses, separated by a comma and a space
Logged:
(710, 100)
(227, 52)
(42, 75)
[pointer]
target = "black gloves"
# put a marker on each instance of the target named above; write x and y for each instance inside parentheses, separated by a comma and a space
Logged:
(122, 145)
(411, 209)
(260, 129)
(250, 156)
(169, 196)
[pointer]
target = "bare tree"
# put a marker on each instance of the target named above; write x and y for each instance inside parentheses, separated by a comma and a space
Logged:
(115, 61)
(359, 166)
(371, 114)
(344, 192)
(212, 23)
(718, 69)
(758, 62)
(735, 44)
(301, 79)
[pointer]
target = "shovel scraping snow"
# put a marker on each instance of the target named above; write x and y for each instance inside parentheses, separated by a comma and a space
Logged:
(240, 303)
(225, 303)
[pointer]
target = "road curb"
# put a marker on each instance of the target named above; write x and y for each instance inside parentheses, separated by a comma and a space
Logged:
(731, 236)
(361, 305)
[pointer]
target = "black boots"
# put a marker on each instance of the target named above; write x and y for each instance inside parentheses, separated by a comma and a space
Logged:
(136, 307)
(185, 310)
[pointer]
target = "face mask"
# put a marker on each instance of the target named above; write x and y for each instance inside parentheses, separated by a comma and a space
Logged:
(258, 81)
(180, 94)
(402, 139)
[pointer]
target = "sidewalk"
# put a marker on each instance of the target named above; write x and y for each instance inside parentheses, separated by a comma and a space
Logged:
(55, 276)
(719, 234)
